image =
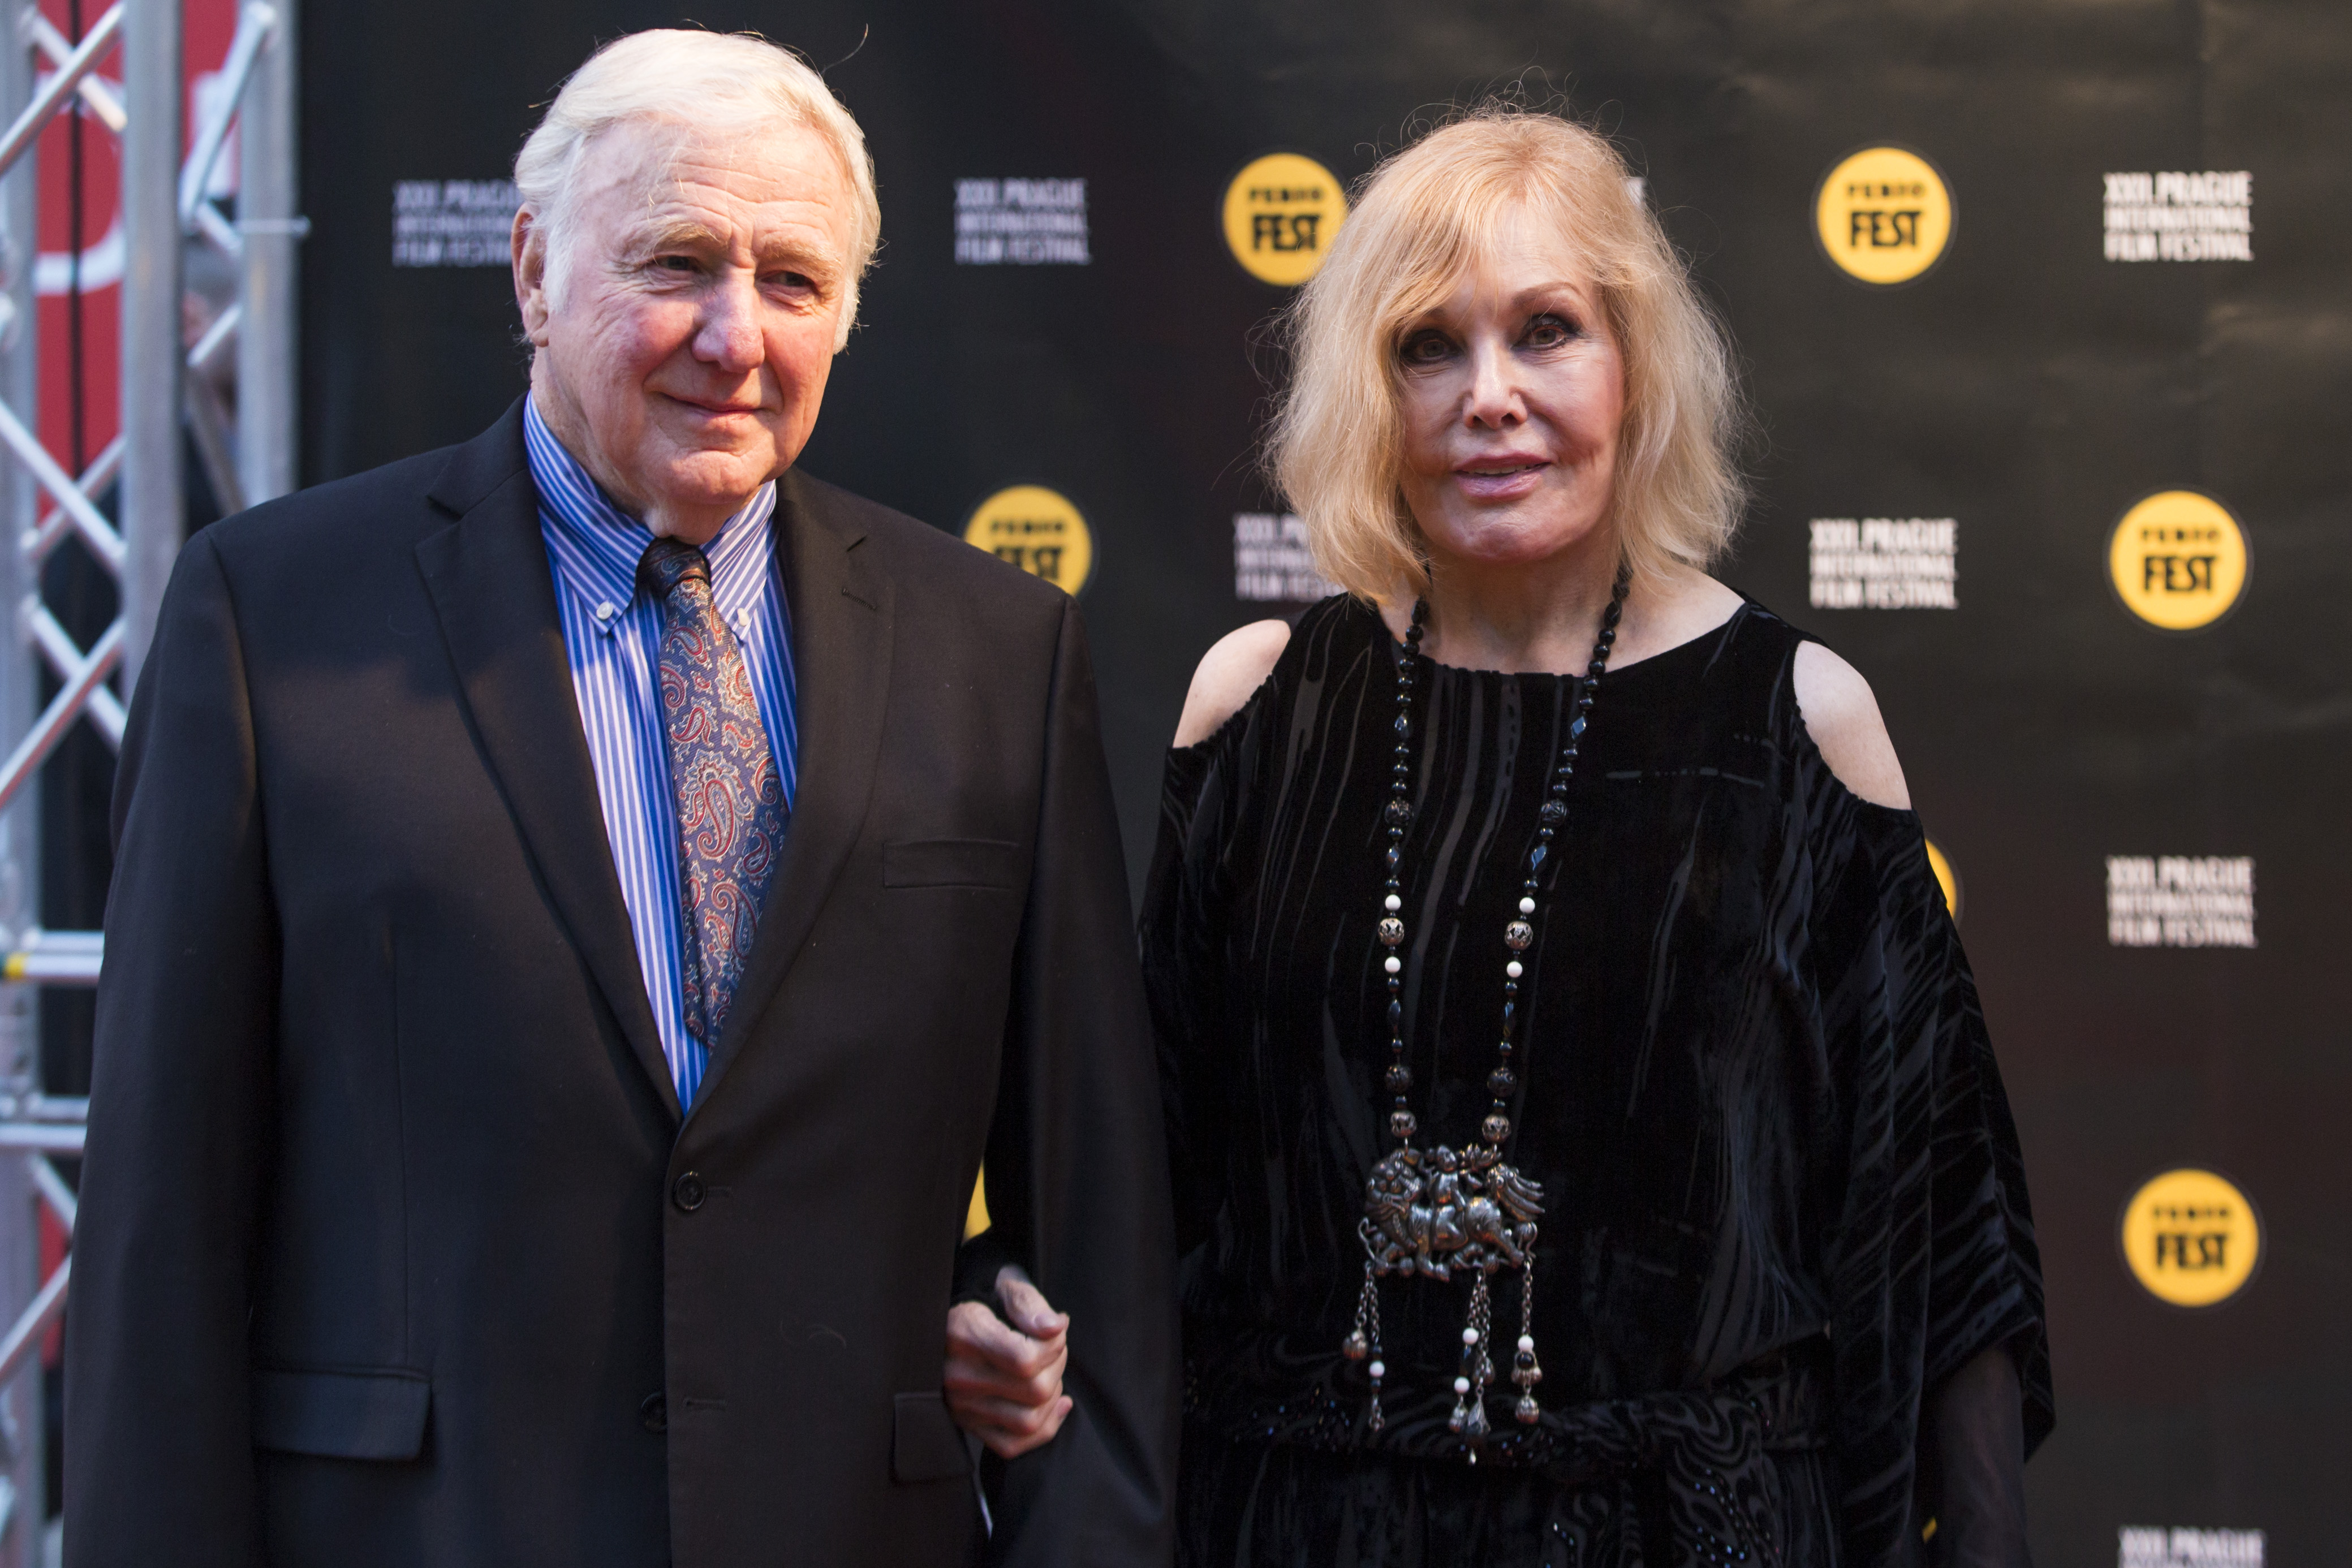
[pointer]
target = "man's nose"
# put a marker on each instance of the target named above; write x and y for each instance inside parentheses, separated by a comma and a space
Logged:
(728, 334)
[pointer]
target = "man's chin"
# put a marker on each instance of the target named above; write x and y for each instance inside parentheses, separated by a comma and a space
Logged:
(713, 479)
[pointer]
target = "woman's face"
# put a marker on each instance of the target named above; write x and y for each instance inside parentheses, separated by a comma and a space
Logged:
(1513, 391)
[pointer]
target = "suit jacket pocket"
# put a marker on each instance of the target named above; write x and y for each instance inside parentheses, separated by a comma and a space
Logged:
(925, 1445)
(950, 863)
(347, 1415)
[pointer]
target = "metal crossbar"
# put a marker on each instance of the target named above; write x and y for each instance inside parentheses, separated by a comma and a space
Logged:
(69, 76)
(165, 388)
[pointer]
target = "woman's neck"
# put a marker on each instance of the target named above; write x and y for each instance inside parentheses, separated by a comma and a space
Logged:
(1544, 618)
(1523, 618)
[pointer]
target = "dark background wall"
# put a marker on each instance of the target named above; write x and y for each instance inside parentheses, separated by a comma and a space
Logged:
(2027, 387)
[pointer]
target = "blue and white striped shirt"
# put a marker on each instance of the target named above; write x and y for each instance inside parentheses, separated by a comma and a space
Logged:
(611, 638)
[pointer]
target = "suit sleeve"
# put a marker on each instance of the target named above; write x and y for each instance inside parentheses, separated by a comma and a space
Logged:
(1078, 1181)
(159, 1455)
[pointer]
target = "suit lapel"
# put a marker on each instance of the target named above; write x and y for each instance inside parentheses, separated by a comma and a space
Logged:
(489, 576)
(841, 618)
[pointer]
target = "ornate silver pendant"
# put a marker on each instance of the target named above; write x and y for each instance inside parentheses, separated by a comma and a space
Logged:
(1436, 1211)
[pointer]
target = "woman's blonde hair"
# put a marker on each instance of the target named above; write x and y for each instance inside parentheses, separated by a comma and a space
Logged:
(1428, 216)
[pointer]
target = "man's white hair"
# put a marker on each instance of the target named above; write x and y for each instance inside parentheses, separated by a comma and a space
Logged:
(693, 78)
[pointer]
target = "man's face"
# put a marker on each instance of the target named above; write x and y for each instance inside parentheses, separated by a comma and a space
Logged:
(684, 353)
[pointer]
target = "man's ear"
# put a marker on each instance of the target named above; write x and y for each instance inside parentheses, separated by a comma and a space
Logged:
(529, 245)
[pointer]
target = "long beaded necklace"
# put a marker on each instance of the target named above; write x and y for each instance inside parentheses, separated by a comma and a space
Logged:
(1439, 1211)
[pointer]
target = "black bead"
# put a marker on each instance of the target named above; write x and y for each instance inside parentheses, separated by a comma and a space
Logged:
(1501, 1082)
(1554, 810)
(1400, 812)
(1396, 1016)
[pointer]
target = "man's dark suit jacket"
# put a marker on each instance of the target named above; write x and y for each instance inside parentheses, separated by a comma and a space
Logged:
(393, 1248)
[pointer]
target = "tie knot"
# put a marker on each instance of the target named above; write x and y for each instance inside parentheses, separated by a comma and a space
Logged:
(667, 562)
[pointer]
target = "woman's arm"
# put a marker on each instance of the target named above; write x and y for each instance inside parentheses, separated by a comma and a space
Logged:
(1236, 666)
(1842, 715)
(1972, 1474)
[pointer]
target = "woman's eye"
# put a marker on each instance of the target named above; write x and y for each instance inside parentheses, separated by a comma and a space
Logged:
(1548, 332)
(1425, 348)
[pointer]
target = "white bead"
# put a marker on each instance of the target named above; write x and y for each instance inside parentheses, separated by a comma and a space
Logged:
(1469, 1336)
(1380, 1371)
(1526, 905)
(1392, 903)
(1511, 969)
(1526, 1341)
(1461, 1385)
(1395, 965)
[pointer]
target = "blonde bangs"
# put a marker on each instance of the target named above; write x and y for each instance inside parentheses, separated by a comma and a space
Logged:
(1430, 216)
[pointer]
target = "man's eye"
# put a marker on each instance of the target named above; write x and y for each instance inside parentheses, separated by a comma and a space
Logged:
(792, 281)
(675, 263)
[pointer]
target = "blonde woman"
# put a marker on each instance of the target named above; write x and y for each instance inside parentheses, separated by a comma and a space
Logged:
(1586, 1142)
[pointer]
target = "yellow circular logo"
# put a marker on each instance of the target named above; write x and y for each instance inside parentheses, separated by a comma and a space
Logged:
(2191, 1238)
(2177, 560)
(1038, 531)
(1281, 213)
(1946, 879)
(1884, 214)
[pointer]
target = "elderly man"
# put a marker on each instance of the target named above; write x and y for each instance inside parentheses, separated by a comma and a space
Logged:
(589, 900)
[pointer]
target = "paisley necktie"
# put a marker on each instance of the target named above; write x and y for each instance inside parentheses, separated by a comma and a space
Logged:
(730, 802)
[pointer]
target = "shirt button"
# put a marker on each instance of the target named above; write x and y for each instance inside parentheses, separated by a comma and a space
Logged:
(607, 610)
(687, 1191)
(654, 1414)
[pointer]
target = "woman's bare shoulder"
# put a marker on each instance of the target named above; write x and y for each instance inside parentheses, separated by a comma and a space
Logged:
(1236, 666)
(1841, 713)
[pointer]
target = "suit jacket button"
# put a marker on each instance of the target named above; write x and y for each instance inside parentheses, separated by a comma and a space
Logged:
(687, 1191)
(655, 1412)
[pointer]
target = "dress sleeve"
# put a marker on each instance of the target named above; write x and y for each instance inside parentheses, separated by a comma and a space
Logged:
(1183, 926)
(1931, 1250)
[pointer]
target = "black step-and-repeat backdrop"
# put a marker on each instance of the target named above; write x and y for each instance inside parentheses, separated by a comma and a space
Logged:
(2044, 309)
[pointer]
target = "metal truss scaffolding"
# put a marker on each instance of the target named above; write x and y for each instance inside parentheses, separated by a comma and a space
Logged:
(171, 402)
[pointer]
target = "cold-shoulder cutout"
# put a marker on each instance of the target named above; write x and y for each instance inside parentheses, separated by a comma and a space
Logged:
(1236, 666)
(1842, 715)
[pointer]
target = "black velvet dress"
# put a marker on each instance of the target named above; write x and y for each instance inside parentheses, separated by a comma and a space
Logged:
(1782, 1196)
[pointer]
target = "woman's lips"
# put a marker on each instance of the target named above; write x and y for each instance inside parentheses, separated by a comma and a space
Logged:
(1501, 479)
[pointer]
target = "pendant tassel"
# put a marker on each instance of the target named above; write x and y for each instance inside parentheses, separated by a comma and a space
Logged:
(1364, 1344)
(1525, 1371)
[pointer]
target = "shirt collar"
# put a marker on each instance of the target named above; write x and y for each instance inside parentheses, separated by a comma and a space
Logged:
(602, 545)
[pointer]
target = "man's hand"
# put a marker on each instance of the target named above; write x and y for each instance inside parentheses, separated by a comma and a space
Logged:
(1003, 1383)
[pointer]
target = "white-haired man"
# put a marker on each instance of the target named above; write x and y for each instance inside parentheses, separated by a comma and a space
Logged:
(581, 919)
